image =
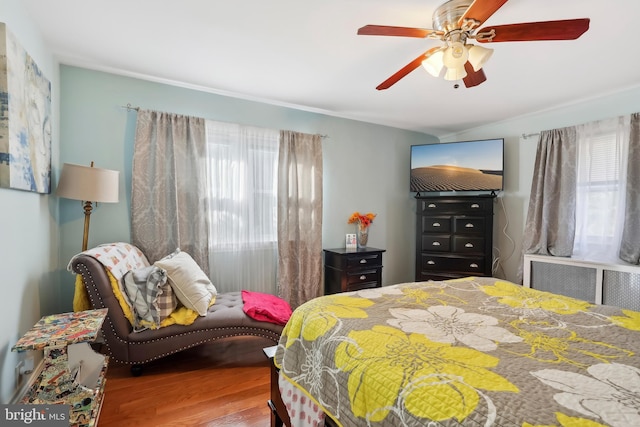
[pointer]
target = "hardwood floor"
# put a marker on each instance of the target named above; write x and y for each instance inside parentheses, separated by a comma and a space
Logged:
(222, 384)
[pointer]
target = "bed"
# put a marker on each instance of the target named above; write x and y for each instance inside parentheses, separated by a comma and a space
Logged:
(471, 352)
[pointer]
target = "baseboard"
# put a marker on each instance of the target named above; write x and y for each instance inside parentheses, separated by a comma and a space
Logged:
(24, 386)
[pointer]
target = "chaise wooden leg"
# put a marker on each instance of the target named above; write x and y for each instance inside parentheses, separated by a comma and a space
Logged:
(136, 370)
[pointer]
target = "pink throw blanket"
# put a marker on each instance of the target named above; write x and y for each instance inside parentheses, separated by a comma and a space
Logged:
(266, 307)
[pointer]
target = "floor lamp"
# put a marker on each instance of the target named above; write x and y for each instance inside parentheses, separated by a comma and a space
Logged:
(90, 185)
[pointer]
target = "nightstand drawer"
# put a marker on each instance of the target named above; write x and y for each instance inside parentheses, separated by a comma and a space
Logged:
(364, 260)
(363, 276)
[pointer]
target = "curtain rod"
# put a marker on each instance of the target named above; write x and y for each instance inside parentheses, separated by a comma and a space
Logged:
(130, 107)
(529, 135)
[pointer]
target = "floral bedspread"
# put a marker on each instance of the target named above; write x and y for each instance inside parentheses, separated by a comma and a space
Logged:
(472, 352)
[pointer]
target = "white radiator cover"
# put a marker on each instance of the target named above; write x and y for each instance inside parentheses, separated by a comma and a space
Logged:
(600, 283)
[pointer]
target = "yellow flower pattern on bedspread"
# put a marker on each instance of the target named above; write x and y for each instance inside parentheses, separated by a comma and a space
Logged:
(323, 317)
(630, 320)
(474, 351)
(453, 373)
(524, 298)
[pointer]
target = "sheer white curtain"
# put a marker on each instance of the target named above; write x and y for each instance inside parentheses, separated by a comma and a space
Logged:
(242, 164)
(603, 147)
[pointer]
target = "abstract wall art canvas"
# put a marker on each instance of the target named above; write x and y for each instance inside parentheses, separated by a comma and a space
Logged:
(25, 119)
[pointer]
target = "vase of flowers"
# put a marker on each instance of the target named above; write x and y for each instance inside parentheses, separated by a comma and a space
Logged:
(362, 221)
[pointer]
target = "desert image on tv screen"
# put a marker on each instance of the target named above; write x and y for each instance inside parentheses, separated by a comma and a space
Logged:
(460, 166)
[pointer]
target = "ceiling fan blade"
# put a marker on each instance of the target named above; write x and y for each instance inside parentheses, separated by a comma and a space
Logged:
(406, 69)
(474, 78)
(567, 29)
(385, 30)
(481, 10)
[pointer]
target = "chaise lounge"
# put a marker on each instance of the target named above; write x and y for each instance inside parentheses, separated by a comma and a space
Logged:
(225, 318)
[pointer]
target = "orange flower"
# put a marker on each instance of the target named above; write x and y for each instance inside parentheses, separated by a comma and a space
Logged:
(364, 220)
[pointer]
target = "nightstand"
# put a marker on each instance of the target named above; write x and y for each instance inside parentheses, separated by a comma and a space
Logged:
(352, 269)
(72, 372)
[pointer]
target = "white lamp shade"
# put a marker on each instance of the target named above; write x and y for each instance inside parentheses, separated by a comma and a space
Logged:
(433, 64)
(88, 184)
(455, 73)
(478, 56)
(455, 55)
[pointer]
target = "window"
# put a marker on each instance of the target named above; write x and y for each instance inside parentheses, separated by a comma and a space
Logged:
(243, 197)
(601, 186)
(242, 164)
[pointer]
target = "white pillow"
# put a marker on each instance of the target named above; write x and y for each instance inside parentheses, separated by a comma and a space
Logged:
(192, 287)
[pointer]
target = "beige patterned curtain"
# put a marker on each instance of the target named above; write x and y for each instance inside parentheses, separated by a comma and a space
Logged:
(550, 225)
(168, 195)
(630, 243)
(299, 217)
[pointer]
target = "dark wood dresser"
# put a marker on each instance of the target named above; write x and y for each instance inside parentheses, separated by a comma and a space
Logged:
(454, 237)
(352, 269)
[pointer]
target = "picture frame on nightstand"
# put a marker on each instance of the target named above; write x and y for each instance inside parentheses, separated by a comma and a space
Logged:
(350, 241)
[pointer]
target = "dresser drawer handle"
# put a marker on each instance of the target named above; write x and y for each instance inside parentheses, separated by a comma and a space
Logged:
(468, 225)
(473, 265)
(363, 277)
(363, 261)
(431, 205)
(475, 206)
(435, 244)
(431, 262)
(436, 224)
(468, 245)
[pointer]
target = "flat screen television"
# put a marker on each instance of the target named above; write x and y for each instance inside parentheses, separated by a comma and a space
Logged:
(458, 166)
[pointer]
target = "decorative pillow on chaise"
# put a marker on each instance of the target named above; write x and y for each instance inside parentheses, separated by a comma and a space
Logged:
(151, 295)
(190, 284)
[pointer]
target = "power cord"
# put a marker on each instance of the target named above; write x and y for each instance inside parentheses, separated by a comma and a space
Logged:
(496, 266)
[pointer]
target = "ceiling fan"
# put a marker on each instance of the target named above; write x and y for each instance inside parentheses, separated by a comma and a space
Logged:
(455, 23)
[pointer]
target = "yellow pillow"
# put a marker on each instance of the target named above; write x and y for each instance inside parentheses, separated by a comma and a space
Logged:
(80, 297)
(124, 304)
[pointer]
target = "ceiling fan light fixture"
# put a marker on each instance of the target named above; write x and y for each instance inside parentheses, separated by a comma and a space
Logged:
(478, 56)
(433, 64)
(455, 73)
(455, 55)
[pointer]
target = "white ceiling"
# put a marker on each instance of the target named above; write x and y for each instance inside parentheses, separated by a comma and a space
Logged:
(307, 55)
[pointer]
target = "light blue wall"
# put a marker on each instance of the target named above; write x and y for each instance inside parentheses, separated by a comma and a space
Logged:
(28, 225)
(366, 167)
